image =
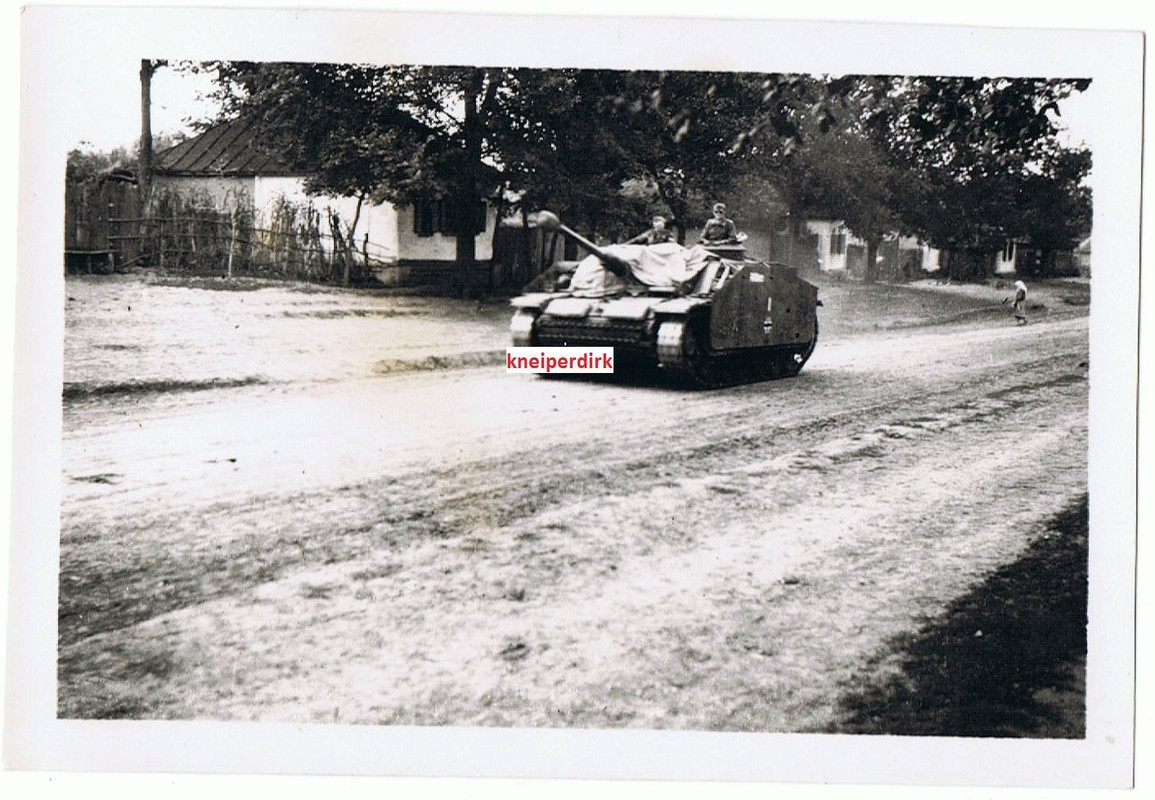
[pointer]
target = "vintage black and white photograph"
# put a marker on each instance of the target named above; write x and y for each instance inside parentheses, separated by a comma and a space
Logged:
(836, 484)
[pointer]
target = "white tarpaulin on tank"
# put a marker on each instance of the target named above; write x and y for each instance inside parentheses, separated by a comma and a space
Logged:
(660, 266)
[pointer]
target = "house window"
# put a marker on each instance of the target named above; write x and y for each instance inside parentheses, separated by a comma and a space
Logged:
(424, 218)
(443, 216)
(1009, 252)
(838, 243)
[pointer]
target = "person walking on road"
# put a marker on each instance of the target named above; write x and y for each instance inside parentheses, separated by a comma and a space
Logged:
(1020, 303)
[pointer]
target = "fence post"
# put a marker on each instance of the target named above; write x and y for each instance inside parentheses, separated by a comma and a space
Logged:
(232, 240)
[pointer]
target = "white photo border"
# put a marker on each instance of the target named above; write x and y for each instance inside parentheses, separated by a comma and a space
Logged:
(58, 41)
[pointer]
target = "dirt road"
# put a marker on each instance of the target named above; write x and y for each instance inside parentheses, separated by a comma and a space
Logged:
(465, 547)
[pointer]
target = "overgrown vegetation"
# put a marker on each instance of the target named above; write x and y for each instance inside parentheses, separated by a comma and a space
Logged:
(193, 234)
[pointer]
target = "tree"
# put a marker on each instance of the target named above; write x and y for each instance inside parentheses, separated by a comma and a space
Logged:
(964, 163)
(566, 139)
(556, 148)
(983, 155)
(952, 160)
(701, 136)
(83, 164)
(1054, 206)
(398, 134)
(834, 170)
(852, 181)
(606, 148)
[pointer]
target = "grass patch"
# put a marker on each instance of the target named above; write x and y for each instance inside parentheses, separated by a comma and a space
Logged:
(481, 358)
(80, 390)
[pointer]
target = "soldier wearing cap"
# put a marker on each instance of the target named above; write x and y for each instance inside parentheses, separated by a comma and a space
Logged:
(718, 229)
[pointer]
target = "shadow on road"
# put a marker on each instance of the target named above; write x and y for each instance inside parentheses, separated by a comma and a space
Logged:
(1006, 660)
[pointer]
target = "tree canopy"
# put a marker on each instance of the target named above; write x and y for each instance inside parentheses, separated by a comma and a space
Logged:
(986, 157)
(568, 139)
(961, 162)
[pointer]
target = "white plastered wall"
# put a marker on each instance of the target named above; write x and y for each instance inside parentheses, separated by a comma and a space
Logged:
(378, 222)
(825, 231)
(439, 246)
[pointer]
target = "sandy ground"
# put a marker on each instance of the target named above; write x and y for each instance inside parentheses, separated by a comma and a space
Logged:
(274, 510)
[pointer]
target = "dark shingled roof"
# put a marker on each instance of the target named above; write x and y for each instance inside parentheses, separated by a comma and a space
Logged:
(231, 148)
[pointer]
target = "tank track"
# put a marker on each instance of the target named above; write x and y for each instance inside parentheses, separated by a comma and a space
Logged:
(552, 331)
(671, 343)
(521, 328)
(682, 353)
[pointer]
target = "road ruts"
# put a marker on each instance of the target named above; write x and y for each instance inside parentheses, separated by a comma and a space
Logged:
(671, 544)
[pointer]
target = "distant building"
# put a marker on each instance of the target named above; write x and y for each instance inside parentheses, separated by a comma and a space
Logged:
(839, 250)
(1083, 258)
(1007, 258)
(1021, 256)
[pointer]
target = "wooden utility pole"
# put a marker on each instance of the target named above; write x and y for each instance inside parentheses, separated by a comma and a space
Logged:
(144, 178)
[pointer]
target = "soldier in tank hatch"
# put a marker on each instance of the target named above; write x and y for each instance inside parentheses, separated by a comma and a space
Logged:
(718, 229)
(657, 234)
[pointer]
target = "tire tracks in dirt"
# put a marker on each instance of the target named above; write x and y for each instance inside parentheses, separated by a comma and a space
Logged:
(546, 511)
(225, 548)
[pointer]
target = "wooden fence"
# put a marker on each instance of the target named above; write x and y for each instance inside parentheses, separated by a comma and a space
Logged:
(105, 230)
(231, 245)
(88, 207)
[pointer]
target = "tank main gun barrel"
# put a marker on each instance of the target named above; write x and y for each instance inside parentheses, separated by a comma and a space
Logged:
(549, 221)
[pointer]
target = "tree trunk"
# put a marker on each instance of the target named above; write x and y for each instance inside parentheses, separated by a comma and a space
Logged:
(338, 241)
(1047, 264)
(469, 188)
(466, 250)
(525, 253)
(499, 212)
(144, 168)
(351, 246)
(870, 274)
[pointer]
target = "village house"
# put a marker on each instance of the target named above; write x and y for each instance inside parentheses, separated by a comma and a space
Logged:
(839, 250)
(1020, 256)
(226, 167)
